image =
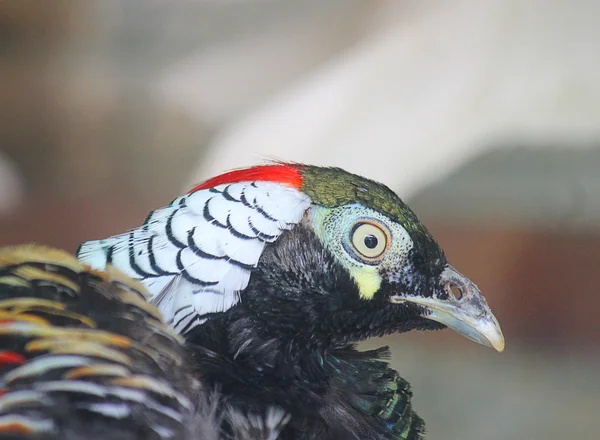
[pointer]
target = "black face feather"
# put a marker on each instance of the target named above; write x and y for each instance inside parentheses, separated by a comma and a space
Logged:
(300, 292)
(418, 276)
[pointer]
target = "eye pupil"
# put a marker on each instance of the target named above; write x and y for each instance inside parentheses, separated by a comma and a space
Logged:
(371, 241)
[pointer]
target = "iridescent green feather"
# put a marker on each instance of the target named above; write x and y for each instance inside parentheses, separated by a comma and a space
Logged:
(380, 393)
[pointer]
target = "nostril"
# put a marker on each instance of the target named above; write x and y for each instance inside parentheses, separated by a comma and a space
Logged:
(455, 290)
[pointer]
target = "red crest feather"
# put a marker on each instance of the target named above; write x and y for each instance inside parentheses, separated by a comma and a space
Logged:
(288, 174)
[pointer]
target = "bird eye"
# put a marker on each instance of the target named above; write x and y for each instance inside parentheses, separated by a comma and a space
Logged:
(369, 240)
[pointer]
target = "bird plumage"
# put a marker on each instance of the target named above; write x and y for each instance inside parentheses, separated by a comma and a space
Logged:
(83, 355)
(90, 357)
(273, 272)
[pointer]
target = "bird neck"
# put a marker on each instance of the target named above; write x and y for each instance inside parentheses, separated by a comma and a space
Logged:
(245, 342)
(340, 391)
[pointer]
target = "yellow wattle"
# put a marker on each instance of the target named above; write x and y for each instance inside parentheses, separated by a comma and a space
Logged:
(367, 279)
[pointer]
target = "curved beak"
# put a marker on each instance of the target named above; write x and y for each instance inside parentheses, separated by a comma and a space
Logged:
(468, 315)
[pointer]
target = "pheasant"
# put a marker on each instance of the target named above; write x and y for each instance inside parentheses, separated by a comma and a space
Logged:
(273, 273)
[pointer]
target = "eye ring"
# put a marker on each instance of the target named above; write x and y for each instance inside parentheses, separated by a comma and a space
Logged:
(370, 240)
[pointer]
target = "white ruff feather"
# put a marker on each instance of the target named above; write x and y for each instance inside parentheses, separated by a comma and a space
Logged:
(196, 255)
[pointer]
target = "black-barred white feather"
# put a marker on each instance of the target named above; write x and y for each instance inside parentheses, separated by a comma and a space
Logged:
(196, 255)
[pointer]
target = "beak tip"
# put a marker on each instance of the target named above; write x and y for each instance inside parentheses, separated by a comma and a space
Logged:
(498, 344)
(492, 332)
(487, 332)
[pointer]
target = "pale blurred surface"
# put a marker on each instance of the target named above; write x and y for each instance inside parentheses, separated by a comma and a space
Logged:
(485, 115)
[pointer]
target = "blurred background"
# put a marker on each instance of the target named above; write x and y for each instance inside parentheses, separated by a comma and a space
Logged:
(483, 115)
